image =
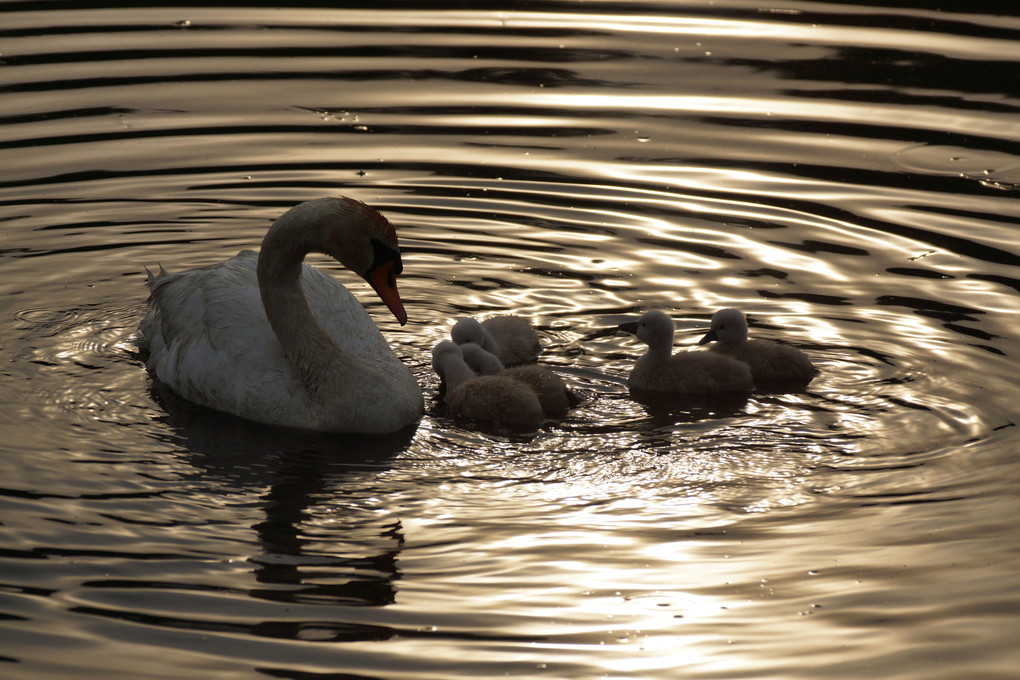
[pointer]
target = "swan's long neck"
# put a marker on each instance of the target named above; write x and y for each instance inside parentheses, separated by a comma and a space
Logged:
(315, 356)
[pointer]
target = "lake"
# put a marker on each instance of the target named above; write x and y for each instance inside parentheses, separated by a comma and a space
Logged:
(847, 174)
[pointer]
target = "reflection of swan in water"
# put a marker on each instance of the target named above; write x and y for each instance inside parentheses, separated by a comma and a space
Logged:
(492, 398)
(770, 362)
(684, 372)
(548, 387)
(269, 339)
(512, 339)
(309, 539)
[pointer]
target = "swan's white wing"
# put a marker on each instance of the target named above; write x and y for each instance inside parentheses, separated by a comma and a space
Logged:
(210, 341)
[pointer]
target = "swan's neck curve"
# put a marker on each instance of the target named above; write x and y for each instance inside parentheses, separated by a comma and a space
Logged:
(313, 354)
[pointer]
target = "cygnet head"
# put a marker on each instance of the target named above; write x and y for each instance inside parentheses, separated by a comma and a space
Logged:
(442, 353)
(448, 363)
(467, 330)
(654, 328)
(728, 325)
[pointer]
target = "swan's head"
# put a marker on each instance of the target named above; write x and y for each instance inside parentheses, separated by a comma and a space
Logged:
(353, 233)
(728, 325)
(365, 242)
(654, 328)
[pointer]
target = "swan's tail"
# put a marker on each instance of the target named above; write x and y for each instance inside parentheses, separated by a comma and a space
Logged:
(153, 278)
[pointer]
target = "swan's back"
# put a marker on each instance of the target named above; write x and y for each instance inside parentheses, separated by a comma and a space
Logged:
(209, 340)
(692, 373)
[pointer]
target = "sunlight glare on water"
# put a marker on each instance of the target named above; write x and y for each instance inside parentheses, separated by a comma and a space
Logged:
(846, 175)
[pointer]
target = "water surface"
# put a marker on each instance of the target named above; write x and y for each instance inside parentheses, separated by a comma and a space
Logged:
(847, 175)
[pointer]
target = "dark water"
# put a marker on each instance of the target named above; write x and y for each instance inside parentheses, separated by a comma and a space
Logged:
(848, 175)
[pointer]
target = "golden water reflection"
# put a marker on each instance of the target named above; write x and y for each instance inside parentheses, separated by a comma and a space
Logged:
(578, 168)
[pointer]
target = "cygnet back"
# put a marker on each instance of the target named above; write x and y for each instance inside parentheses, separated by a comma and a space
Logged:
(512, 339)
(547, 386)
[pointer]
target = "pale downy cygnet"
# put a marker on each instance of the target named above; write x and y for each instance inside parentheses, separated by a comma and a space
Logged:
(685, 372)
(512, 339)
(770, 362)
(547, 386)
(492, 398)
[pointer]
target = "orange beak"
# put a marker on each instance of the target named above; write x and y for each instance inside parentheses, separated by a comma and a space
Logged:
(384, 283)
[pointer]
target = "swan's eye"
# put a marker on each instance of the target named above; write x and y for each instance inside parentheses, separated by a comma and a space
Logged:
(382, 253)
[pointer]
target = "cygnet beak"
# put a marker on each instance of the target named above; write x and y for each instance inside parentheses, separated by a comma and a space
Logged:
(709, 337)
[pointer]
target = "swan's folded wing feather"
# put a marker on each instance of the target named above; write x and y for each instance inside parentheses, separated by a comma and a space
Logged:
(209, 337)
(342, 315)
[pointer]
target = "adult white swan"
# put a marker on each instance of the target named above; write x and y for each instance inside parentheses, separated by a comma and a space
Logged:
(268, 338)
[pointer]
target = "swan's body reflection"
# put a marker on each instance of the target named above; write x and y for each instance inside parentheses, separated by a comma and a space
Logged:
(350, 561)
